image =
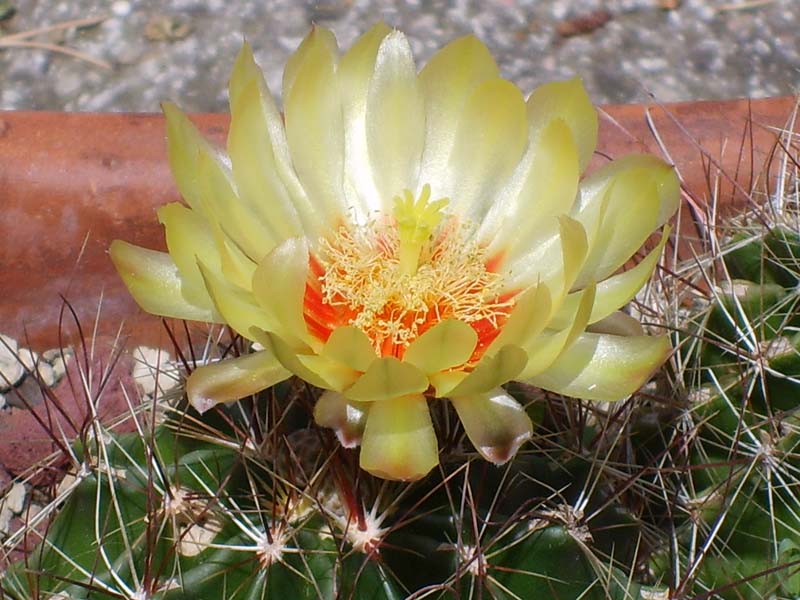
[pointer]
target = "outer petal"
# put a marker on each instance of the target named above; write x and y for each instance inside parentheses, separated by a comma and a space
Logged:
(490, 372)
(279, 285)
(530, 316)
(447, 344)
(351, 347)
(616, 291)
(489, 142)
(604, 367)
(157, 286)
(630, 198)
(495, 423)
(569, 101)
(395, 118)
(354, 74)
(345, 417)
(399, 441)
(545, 349)
(236, 305)
(447, 81)
(232, 379)
(314, 127)
(544, 185)
(387, 378)
(256, 144)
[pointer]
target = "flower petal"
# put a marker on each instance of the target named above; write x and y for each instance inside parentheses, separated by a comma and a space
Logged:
(205, 183)
(489, 142)
(336, 375)
(279, 285)
(155, 283)
(345, 417)
(288, 357)
(233, 378)
(447, 81)
(490, 372)
(237, 306)
(399, 442)
(545, 349)
(554, 255)
(528, 319)
(395, 118)
(387, 378)
(617, 323)
(189, 237)
(629, 198)
(447, 344)
(569, 101)
(604, 367)
(495, 423)
(616, 291)
(351, 347)
(314, 127)
(354, 74)
(544, 185)
(256, 143)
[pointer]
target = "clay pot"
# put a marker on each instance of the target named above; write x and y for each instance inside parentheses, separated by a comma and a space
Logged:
(71, 183)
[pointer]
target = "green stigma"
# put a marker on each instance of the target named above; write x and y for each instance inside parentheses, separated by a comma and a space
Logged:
(416, 222)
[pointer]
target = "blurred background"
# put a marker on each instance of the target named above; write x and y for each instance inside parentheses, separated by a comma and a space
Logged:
(128, 55)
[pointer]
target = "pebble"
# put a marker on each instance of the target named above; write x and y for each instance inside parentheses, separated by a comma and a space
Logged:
(153, 364)
(120, 8)
(15, 498)
(11, 370)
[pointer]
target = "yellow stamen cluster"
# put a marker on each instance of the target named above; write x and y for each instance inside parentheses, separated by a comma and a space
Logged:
(367, 272)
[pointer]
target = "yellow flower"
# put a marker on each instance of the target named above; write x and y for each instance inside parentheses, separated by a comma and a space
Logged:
(406, 236)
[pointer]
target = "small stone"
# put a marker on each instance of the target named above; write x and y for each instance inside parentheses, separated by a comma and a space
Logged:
(58, 359)
(11, 370)
(154, 365)
(5, 519)
(28, 358)
(46, 373)
(120, 8)
(15, 498)
(3, 402)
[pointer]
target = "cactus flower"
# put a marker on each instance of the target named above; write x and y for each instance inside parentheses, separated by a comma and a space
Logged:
(399, 237)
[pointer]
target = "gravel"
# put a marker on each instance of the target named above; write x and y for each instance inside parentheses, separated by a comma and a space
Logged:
(183, 49)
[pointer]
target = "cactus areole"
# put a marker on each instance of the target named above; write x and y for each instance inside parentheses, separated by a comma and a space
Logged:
(400, 237)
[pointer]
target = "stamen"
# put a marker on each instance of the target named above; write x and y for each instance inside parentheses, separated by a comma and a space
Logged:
(396, 278)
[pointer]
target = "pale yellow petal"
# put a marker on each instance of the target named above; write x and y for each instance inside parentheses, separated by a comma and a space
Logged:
(233, 378)
(490, 372)
(490, 140)
(553, 254)
(531, 314)
(351, 347)
(314, 128)
(189, 237)
(395, 118)
(345, 417)
(447, 344)
(279, 285)
(629, 198)
(387, 378)
(604, 367)
(544, 185)
(354, 73)
(617, 323)
(337, 376)
(545, 349)
(615, 291)
(399, 442)
(287, 354)
(155, 283)
(256, 130)
(495, 423)
(569, 101)
(447, 81)
(236, 305)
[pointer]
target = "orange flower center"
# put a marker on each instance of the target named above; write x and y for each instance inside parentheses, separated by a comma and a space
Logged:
(397, 278)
